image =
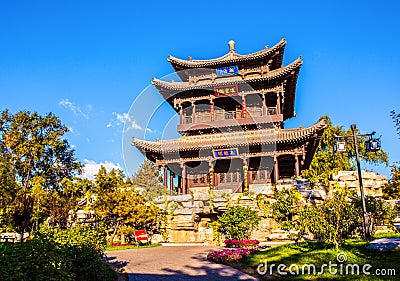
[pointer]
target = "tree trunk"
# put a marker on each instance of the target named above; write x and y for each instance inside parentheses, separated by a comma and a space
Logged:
(114, 233)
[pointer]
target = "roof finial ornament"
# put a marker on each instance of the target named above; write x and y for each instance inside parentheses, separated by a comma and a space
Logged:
(231, 46)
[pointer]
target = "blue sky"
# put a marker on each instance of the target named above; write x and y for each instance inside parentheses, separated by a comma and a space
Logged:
(87, 61)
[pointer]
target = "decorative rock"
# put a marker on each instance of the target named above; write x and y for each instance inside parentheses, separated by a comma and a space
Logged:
(318, 194)
(184, 211)
(179, 198)
(201, 197)
(156, 238)
(193, 204)
(220, 193)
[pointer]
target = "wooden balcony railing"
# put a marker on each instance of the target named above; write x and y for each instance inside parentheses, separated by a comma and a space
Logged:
(227, 115)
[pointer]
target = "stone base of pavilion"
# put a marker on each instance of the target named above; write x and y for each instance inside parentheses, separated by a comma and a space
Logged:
(190, 216)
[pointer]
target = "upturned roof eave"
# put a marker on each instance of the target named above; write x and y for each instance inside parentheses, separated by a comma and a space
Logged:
(195, 142)
(185, 86)
(230, 57)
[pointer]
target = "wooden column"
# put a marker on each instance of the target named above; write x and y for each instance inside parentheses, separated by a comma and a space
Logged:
(211, 171)
(212, 110)
(179, 184)
(244, 109)
(180, 114)
(193, 112)
(278, 103)
(171, 182)
(165, 177)
(184, 179)
(245, 176)
(264, 107)
(276, 169)
(297, 165)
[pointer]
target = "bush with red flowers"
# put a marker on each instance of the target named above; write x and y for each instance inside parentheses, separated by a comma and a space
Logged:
(229, 256)
(235, 243)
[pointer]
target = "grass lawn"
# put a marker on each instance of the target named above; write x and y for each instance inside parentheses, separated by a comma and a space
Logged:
(135, 246)
(317, 253)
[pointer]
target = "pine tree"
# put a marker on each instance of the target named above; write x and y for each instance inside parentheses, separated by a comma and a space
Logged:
(120, 206)
(148, 181)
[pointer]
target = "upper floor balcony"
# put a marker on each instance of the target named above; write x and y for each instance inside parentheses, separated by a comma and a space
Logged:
(221, 118)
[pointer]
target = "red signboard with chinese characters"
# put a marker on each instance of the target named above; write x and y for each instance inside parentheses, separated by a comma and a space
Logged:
(226, 90)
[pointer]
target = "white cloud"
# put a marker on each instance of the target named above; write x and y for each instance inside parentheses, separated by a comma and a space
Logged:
(121, 119)
(92, 168)
(74, 108)
(118, 120)
(134, 126)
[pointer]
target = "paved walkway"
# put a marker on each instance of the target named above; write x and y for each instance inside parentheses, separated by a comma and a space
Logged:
(179, 263)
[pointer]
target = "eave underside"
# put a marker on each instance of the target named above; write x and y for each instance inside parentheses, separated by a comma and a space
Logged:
(285, 77)
(250, 144)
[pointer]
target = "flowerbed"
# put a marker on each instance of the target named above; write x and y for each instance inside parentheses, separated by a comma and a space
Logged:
(229, 255)
(234, 243)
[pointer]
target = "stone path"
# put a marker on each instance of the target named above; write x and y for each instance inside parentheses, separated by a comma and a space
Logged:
(385, 244)
(178, 263)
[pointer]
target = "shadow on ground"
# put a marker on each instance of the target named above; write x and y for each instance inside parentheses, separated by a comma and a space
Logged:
(201, 270)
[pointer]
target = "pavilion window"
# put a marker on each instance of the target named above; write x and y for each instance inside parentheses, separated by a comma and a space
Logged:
(235, 177)
(219, 114)
(262, 174)
(202, 113)
(228, 177)
(254, 175)
(187, 115)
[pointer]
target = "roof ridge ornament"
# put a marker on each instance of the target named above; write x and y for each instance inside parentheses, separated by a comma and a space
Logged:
(231, 45)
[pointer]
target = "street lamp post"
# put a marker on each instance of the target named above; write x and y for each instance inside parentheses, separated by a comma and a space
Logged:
(371, 145)
(364, 208)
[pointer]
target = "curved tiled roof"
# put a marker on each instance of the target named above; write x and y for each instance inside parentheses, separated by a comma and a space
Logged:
(270, 76)
(231, 139)
(229, 58)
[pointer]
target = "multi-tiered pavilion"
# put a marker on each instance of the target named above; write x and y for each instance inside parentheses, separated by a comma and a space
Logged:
(232, 111)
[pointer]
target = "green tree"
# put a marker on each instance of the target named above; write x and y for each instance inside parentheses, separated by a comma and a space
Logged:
(33, 145)
(238, 222)
(121, 206)
(148, 180)
(325, 162)
(287, 204)
(391, 190)
(338, 218)
(396, 119)
(63, 204)
(8, 190)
